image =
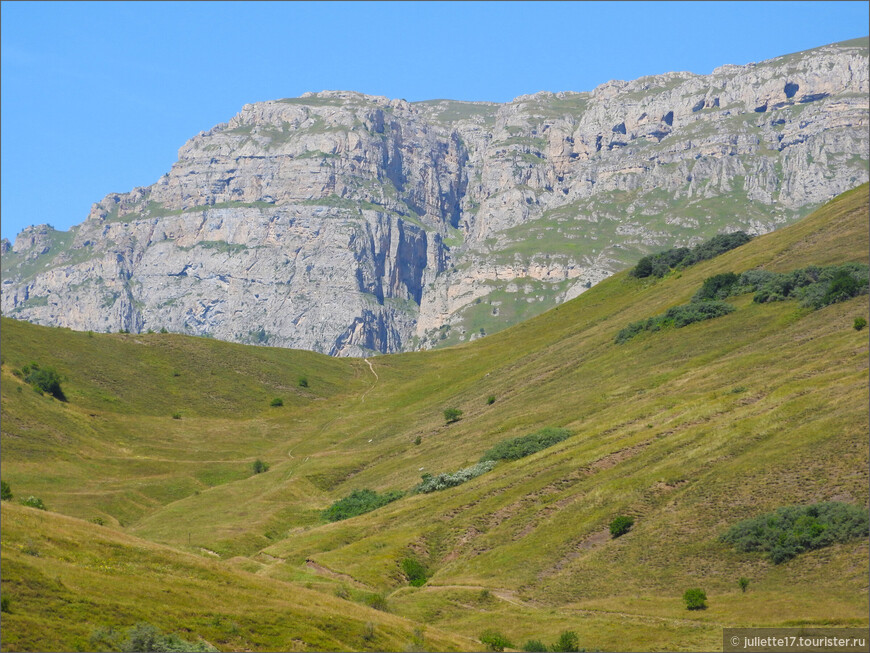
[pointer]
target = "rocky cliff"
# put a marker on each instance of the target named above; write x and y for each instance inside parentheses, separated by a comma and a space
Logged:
(350, 224)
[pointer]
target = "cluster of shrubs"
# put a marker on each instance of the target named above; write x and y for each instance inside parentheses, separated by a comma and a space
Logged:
(31, 501)
(814, 286)
(526, 445)
(443, 481)
(791, 530)
(360, 502)
(143, 637)
(567, 642)
(43, 379)
(676, 317)
(658, 265)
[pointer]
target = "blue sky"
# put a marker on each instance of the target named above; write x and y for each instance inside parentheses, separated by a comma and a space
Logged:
(98, 97)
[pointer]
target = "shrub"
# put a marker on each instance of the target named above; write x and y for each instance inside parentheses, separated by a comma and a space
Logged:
(696, 599)
(816, 287)
(176, 415)
(359, 502)
(743, 583)
(568, 641)
(415, 572)
(163, 330)
(716, 287)
(47, 380)
(490, 400)
(277, 401)
(535, 646)
(368, 633)
(418, 440)
(494, 640)
(658, 265)
(33, 502)
(443, 481)
(303, 381)
(4, 604)
(452, 415)
(377, 601)
(676, 317)
(621, 525)
(525, 445)
(791, 530)
(859, 323)
(5, 491)
(259, 466)
(143, 637)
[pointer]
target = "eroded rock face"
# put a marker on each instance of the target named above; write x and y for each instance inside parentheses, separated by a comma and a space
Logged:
(351, 224)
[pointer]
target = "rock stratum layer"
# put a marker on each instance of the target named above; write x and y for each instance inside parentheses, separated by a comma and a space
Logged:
(350, 224)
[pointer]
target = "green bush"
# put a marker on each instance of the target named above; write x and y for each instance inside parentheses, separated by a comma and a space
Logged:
(277, 401)
(176, 415)
(144, 637)
(303, 381)
(452, 415)
(416, 572)
(4, 605)
(743, 583)
(535, 646)
(33, 502)
(418, 440)
(676, 317)
(815, 287)
(46, 379)
(443, 481)
(621, 525)
(359, 502)
(494, 640)
(658, 265)
(791, 530)
(716, 287)
(568, 642)
(5, 491)
(525, 445)
(377, 601)
(259, 466)
(696, 599)
(490, 400)
(859, 323)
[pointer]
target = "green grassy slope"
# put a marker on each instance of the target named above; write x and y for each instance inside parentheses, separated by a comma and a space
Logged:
(688, 431)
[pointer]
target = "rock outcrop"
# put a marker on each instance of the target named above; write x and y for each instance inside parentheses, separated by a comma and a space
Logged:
(350, 224)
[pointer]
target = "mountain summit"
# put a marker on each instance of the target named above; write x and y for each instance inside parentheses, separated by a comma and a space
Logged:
(349, 224)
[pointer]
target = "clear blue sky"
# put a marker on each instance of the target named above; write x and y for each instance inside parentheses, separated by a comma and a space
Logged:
(98, 97)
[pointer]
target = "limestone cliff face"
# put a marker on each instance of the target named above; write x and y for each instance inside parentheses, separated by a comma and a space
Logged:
(351, 224)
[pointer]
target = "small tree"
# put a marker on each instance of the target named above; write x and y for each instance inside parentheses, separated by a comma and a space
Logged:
(452, 415)
(494, 640)
(5, 491)
(859, 323)
(743, 582)
(568, 641)
(303, 381)
(621, 525)
(696, 599)
(259, 466)
(490, 400)
(47, 380)
(277, 401)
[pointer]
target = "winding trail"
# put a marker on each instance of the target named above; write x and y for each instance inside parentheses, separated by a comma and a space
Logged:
(377, 378)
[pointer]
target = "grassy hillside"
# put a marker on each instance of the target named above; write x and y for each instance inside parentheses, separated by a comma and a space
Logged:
(688, 431)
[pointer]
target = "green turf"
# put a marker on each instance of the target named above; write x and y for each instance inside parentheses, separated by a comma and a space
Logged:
(688, 431)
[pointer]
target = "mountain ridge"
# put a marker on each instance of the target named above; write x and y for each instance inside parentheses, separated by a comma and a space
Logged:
(352, 224)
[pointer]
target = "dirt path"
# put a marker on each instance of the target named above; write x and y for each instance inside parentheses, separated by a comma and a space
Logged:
(377, 378)
(324, 571)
